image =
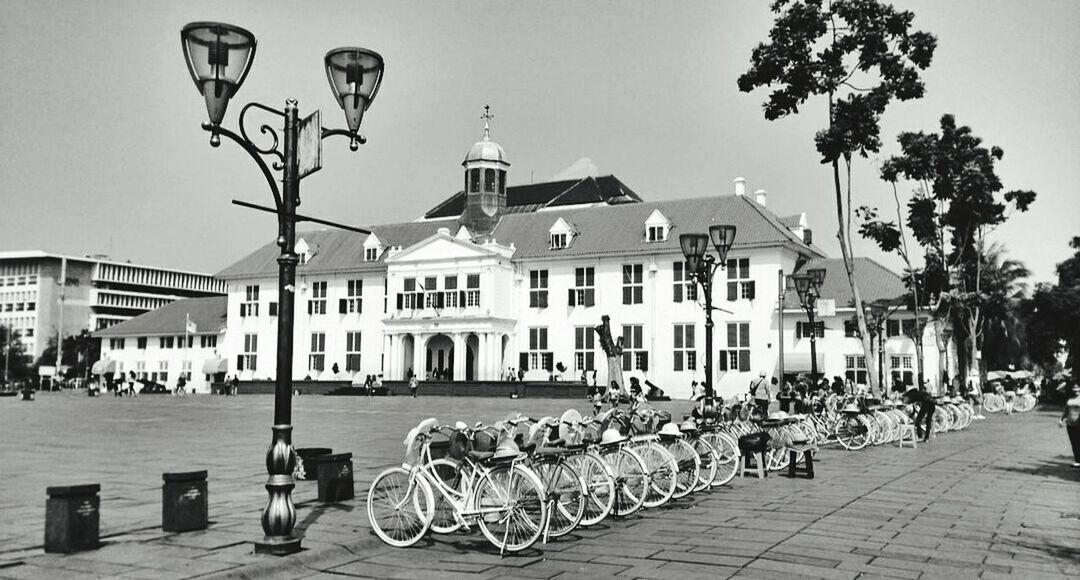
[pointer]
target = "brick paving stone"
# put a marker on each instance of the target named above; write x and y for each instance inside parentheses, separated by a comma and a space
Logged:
(702, 558)
(800, 570)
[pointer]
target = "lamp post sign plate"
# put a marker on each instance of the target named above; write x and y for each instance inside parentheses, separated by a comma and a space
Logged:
(309, 145)
(826, 307)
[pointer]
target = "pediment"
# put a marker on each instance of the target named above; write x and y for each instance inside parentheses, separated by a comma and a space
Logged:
(441, 247)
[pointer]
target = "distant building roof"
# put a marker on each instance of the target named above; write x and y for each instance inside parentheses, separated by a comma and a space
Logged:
(530, 198)
(208, 314)
(791, 221)
(599, 231)
(98, 259)
(876, 282)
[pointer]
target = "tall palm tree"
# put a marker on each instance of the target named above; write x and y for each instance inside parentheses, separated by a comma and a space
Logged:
(1002, 289)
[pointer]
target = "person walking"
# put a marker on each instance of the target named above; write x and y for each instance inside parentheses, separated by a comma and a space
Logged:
(786, 396)
(759, 390)
(1070, 419)
(131, 384)
(234, 386)
(924, 419)
(413, 386)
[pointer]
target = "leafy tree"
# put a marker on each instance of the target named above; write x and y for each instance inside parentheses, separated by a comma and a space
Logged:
(1004, 336)
(955, 206)
(861, 54)
(17, 357)
(80, 351)
(1052, 317)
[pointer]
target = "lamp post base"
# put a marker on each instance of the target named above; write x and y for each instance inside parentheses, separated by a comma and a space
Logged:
(278, 546)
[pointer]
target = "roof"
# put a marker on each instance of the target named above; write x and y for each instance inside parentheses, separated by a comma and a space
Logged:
(529, 198)
(486, 150)
(791, 221)
(600, 231)
(208, 314)
(876, 282)
(39, 255)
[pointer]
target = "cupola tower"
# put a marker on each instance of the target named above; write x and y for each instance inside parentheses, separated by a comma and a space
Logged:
(485, 183)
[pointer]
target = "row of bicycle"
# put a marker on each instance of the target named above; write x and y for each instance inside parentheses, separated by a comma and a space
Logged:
(1022, 402)
(524, 479)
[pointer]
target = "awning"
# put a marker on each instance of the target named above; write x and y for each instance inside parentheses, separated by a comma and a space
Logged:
(213, 366)
(799, 362)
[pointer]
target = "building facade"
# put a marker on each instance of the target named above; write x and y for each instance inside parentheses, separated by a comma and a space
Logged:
(43, 294)
(498, 280)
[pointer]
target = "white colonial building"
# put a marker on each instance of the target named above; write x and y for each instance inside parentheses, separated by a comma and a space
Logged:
(501, 278)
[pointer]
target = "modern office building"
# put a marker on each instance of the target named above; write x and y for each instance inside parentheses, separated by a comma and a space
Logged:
(43, 294)
(497, 279)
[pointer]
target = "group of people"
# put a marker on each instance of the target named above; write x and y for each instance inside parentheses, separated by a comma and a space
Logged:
(615, 394)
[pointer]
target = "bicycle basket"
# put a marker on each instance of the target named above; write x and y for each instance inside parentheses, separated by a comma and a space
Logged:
(439, 449)
(459, 446)
(483, 441)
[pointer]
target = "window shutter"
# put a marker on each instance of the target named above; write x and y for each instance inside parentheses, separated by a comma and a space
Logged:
(627, 360)
(798, 329)
(732, 291)
(644, 360)
(589, 361)
(273, 309)
(678, 292)
(543, 299)
(571, 293)
(744, 268)
(523, 361)
(534, 300)
(751, 290)
(627, 295)
(722, 361)
(678, 361)
(343, 306)
(590, 297)
(239, 362)
(243, 310)
(461, 298)
(310, 307)
(744, 360)
(440, 300)
(549, 361)
(419, 300)
(400, 300)
(744, 335)
(732, 335)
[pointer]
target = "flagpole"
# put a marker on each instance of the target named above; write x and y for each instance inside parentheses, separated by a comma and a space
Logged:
(187, 325)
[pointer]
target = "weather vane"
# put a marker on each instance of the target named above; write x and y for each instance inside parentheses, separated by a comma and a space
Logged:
(487, 117)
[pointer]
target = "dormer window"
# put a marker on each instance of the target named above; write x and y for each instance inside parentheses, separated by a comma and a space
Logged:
(560, 235)
(657, 227)
(372, 248)
(656, 233)
(371, 254)
(303, 251)
(558, 241)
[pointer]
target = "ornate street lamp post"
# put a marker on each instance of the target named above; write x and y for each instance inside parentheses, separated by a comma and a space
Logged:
(701, 266)
(808, 287)
(219, 57)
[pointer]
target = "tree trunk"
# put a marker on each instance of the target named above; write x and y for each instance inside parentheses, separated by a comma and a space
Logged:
(849, 267)
(942, 348)
(614, 371)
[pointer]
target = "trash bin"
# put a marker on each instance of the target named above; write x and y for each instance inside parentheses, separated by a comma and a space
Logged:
(72, 518)
(184, 506)
(335, 473)
(303, 471)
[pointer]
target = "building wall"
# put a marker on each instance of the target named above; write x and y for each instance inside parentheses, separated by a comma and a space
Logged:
(147, 363)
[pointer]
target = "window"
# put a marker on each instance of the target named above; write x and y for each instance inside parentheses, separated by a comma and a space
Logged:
(655, 233)
(166, 342)
(354, 303)
(489, 180)
(317, 358)
(851, 329)
(29, 332)
(208, 341)
(584, 291)
(141, 343)
(900, 369)
(584, 347)
(802, 329)
(537, 357)
(30, 306)
(740, 286)
(685, 355)
(634, 356)
(474, 180)
(163, 371)
(684, 287)
(855, 369)
(317, 303)
(141, 367)
(737, 355)
(247, 360)
(185, 370)
(409, 299)
(250, 305)
(431, 294)
(472, 290)
(352, 351)
(116, 344)
(633, 288)
(899, 327)
(371, 254)
(558, 241)
(450, 296)
(538, 283)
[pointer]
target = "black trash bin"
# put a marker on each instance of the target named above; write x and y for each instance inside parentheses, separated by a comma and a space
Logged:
(184, 506)
(72, 518)
(335, 474)
(305, 470)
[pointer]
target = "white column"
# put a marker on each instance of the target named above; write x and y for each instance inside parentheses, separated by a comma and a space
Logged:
(420, 356)
(460, 356)
(482, 358)
(388, 357)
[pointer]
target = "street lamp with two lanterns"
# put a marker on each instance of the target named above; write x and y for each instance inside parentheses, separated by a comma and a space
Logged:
(701, 265)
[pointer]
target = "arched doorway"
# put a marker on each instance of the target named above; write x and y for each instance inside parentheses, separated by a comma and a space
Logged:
(440, 358)
(408, 346)
(472, 348)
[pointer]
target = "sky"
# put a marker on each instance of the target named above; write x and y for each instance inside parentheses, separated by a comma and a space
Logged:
(102, 150)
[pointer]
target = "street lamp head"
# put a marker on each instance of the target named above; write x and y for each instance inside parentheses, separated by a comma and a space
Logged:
(802, 285)
(723, 237)
(218, 56)
(354, 75)
(693, 248)
(817, 276)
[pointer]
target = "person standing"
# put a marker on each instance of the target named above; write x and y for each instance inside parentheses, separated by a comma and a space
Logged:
(1070, 419)
(924, 420)
(413, 386)
(759, 390)
(785, 396)
(234, 386)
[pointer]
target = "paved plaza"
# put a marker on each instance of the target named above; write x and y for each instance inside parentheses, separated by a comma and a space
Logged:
(997, 500)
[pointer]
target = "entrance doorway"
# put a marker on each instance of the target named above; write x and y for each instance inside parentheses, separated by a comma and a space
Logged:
(440, 358)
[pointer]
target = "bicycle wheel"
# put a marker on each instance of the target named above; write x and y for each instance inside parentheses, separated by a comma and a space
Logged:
(851, 433)
(400, 507)
(992, 402)
(513, 511)
(445, 520)
(688, 465)
(662, 471)
(599, 487)
(565, 496)
(631, 480)
(727, 457)
(707, 459)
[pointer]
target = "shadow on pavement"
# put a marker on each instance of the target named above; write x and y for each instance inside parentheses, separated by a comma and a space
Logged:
(1060, 467)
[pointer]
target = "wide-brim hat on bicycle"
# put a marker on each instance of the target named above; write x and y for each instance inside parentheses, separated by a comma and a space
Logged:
(612, 436)
(851, 408)
(779, 415)
(506, 448)
(688, 426)
(570, 417)
(670, 430)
